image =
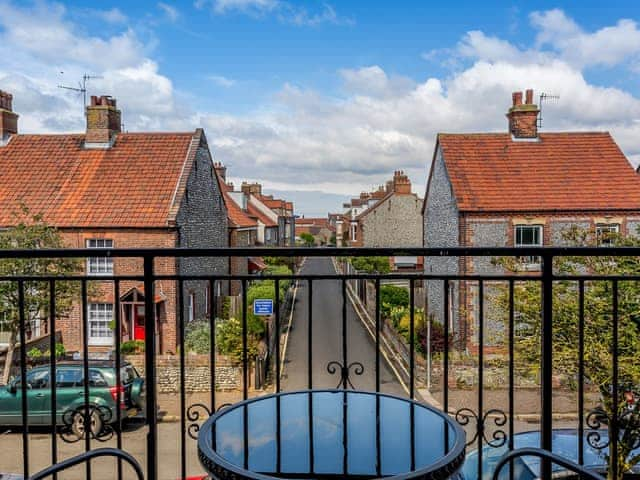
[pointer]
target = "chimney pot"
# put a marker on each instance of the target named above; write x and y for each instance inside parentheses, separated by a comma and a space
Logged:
(529, 97)
(523, 119)
(221, 170)
(8, 119)
(103, 120)
(517, 98)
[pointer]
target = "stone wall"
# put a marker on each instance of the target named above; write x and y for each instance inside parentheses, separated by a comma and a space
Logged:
(394, 222)
(197, 373)
(441, 229)
(202, 223)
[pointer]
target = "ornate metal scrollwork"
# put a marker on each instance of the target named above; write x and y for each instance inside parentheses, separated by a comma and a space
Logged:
(194, 412)
(498, 438)
(345, 372)
(596, 419)
(73, 428)
(198, 412)
(628, 427)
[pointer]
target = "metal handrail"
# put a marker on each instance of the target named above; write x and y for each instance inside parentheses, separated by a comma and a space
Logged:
(85, 457)
(544, 454)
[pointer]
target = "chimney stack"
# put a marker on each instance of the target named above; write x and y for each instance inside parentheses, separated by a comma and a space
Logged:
(221, 171)
(401, 183)
(523, 118)
(103, 121)
(8, 119)
(254, 189)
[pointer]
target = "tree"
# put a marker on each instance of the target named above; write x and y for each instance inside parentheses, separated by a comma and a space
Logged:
(32, 232)
(598, 334)
(308, 239)
(371, 264)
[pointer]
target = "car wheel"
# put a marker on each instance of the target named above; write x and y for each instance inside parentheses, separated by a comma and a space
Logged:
(78, 425)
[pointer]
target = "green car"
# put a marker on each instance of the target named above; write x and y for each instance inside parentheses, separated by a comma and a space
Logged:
(70, 396)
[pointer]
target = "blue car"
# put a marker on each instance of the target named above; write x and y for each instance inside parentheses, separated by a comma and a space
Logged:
(565, 444)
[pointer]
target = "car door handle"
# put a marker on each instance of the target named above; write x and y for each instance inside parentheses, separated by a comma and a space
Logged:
(39, 395)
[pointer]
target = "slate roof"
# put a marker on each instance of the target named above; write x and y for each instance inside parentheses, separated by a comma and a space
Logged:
(561, 172)
(139, 182)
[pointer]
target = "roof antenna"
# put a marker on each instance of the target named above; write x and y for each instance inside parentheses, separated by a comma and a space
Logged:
(543, 97)
(81, 88)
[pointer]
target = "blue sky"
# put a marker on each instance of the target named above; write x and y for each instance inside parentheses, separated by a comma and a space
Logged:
(328, 96)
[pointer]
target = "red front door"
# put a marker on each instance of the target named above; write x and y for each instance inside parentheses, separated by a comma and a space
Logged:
(138, 322)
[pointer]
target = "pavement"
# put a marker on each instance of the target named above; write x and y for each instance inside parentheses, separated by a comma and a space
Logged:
(326, 343)
(133, 441)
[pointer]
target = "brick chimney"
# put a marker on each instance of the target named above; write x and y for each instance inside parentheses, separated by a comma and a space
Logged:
(251, 188)
(523, 117)
(221, 171)
(103, 121)
(401, 183)
(8, 119)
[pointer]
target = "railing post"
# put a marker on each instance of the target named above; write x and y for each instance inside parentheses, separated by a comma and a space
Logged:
(547, 362)
(150, 368)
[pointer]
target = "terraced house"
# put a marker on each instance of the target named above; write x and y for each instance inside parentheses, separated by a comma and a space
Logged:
(520, 188)
(106, 188)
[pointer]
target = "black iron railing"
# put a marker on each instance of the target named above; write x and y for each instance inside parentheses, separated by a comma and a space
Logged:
(486, 427)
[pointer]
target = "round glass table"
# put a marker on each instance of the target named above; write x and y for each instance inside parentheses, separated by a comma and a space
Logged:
(331, 434)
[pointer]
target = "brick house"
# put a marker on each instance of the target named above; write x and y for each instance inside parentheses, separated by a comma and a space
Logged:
(286, 218)
(388, 217)
(105, 188)
(242, 228)
(322, 231)
(520, 188)
(268, 219)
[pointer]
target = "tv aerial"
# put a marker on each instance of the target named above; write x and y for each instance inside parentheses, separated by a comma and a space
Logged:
(544, 97)
(82, 87)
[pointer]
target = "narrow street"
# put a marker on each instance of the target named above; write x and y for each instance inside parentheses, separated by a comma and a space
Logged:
(327, 338)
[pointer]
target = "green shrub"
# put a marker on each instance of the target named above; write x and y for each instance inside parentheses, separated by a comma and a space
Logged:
(371, 264)
(392, 297)
(34, 353)
(131, 347)
(229, 339)
(197, 337)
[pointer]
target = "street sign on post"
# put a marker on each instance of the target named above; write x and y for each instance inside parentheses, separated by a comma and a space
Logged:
(263, 307)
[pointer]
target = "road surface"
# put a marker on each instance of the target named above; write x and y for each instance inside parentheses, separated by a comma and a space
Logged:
(327, 338)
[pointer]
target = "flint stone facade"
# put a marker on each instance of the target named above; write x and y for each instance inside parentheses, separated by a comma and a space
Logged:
(395, 222)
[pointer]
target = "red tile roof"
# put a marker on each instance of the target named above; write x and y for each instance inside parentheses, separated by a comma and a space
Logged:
(561, 171)
(139, 182)
(237, 217)
(255, 212)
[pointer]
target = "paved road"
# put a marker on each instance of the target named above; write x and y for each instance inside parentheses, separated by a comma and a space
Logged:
(327, 338)
(134, 442)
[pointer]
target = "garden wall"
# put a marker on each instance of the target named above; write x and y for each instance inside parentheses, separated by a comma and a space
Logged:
(228, 375)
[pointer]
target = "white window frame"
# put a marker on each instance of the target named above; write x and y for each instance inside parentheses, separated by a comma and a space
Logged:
(191, 307)
(530, 262)
(608, 228)
(99, 265)
(100, 313)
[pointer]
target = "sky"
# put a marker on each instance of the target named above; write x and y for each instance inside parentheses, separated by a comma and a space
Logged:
(321, 100)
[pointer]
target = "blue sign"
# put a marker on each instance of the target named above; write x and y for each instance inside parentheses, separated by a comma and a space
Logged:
(263, 307)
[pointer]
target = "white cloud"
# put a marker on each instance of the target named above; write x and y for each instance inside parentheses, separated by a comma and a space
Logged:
(56, 41)
(222, 81)
(607, 46)
(226, 6)
(112, 16)
(303, 139)
(169, 11)
(284, 11)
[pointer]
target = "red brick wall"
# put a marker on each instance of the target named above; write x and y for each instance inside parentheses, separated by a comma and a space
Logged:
(71, 327)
